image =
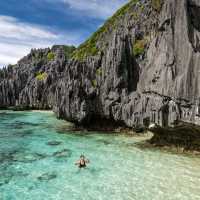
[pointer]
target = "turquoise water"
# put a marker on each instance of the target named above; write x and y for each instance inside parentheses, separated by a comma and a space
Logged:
(37, 158)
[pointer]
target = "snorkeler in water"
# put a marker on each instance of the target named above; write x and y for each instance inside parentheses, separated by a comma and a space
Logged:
(82, 162)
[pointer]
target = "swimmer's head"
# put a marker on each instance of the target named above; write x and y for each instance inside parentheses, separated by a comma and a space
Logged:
(82, 156)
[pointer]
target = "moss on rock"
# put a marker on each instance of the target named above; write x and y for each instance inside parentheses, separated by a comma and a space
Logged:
(94, 83)
(50, 56)
(41, 76)
(156, 4)
(139, 47)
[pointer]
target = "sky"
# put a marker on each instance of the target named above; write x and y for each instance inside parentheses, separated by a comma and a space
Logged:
(27, 24)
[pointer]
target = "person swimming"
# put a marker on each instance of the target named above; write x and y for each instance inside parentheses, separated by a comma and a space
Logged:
(82, 162)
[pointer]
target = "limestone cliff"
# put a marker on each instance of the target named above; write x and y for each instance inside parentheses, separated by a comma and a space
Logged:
(141, 67)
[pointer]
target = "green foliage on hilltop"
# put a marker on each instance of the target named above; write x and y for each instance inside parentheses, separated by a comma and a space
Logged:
(89, 48)
(69, 51)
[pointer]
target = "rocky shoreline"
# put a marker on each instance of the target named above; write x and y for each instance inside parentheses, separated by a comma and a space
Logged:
(185, 136)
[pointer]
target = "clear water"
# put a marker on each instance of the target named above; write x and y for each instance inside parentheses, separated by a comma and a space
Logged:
(37, 160)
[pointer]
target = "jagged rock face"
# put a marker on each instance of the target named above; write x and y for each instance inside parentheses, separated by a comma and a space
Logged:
(101, 87)
(171, 73)
(160, 84)
(19, 85)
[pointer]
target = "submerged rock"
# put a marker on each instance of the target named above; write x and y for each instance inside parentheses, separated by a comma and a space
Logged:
(105, 142)
(65, 153)
(5, 178)
(7, 174)
(47, 176)
(23, 133)
(27, 157)
(7, 156)
(54, 143)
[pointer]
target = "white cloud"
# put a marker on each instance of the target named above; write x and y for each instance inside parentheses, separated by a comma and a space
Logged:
(10, 53)
(12, 28)
(96, 8)
(18, 38)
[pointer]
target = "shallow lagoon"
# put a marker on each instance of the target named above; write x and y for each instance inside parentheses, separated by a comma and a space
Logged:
(37, 162)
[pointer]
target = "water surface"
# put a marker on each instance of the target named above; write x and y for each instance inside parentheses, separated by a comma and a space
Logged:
(37, 160)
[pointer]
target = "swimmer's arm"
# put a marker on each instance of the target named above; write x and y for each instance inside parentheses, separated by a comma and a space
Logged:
(87, 161)
(77, 162)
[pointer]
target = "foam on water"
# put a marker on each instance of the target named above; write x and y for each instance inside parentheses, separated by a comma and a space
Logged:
(37, 163)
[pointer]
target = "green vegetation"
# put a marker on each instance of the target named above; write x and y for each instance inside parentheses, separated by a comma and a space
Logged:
(50, 56)
(94, 83)
(134, 15)
(86, 49)
(142, 7)
(99, 71)
(69, 51)
(137, 13)
(156, 4)
(41, 76)
(139, 47)
(89, 48)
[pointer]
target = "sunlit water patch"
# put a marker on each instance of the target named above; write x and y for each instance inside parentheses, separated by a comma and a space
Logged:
(37, 162)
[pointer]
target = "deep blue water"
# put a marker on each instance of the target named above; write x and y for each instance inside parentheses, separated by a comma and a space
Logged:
(37, 156)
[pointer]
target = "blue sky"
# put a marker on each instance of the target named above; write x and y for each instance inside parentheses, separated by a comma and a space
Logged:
(26, 24)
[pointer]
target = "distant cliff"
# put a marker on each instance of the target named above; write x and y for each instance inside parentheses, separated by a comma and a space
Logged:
(141, 67)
